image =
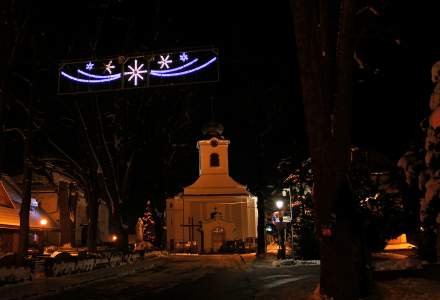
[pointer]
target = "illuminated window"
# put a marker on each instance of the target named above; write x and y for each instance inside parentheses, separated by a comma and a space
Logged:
(215, 160)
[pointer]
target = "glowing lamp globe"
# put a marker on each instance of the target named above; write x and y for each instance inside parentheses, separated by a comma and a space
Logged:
(43, 222)
(279, 204)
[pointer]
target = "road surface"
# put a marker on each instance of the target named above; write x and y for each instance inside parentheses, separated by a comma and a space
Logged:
(209, 277)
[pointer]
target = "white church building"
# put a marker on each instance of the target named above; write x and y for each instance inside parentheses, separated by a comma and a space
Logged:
(215, 208)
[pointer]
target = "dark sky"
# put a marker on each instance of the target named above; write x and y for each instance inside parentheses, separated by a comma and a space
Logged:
(258, 97)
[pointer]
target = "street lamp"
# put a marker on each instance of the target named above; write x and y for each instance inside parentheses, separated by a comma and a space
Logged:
(114, 238)
(279, 204)
(43, 222)
(281, 230)
(284, 192)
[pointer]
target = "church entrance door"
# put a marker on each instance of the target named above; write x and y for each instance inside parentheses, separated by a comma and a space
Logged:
(218, 238)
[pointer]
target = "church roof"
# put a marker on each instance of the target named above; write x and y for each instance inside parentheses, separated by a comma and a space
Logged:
(215, 184)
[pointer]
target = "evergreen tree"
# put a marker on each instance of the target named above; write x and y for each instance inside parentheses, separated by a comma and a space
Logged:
(379, 200)
(423, 176)
(149, 224)
(304, 223)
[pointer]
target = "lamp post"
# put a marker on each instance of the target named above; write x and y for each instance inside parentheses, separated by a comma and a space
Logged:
(285, 191)
(281, 226)
(43, 222)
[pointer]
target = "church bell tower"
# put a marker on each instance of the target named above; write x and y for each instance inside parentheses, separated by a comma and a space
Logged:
(213, 151)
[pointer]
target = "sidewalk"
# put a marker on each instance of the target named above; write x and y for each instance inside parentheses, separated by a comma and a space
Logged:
(408, 284)
(52, 285)
(398, 275)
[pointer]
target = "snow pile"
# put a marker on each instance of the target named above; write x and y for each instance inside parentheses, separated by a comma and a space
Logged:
(68, 265)
(292, 262)
(394, 261)
(156, 253)
(14, 274)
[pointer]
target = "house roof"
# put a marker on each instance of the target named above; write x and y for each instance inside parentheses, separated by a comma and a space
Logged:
(10, 214)
(10, 218)
(5, 200)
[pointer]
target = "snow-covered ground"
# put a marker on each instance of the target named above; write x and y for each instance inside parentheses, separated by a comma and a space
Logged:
(399, 276)
(389, 261)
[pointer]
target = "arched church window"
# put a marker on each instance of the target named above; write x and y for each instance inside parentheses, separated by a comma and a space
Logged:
(214, 160)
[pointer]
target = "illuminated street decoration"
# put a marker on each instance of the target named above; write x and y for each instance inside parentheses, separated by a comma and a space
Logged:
(183, 57)
(116, 76)
(136, 72)
(89, 66)
(164, 61)
(98, 76)
(139, 71)
(175, 69)
(109, 67)
(184, 72)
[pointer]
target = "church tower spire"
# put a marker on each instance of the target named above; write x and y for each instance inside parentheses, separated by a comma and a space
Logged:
(213, 151)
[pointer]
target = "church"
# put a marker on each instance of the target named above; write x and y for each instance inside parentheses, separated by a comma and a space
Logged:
(215, 208)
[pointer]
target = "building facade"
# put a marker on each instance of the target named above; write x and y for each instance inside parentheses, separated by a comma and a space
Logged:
(41, 223)
(215, 208)
(58, 214)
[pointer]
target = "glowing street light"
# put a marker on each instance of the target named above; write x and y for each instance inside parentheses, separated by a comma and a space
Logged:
(281, 230)
(43, 222)
(114, 238)
(279, 204)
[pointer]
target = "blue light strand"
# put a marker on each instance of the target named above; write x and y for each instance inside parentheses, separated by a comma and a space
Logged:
(117, 76)
(184, 72)
(176, 69)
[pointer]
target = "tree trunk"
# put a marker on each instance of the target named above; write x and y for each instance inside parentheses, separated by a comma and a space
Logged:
(73, 202)
(27, 178)
(261, 241)
(325, 51)
(2, 126)
(64, 208)
(261, 225)
(92, 210)
(27, 193)
(24, 213)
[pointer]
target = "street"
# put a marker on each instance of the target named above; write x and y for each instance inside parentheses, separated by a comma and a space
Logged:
(204, 277)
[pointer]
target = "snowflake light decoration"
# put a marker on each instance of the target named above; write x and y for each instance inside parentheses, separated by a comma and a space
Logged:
(164, 61)
(136, 72)
(183, 57)
(89, 66)
(109, 67)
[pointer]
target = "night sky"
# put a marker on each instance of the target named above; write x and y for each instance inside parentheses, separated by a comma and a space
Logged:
(258, 98)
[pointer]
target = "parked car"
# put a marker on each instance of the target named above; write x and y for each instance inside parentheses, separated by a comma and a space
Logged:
(236, 246)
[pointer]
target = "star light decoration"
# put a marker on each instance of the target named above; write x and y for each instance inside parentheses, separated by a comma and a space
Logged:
(109, 67)
(183, 57)
(136, 72)
(89, 66)
(164, 61)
